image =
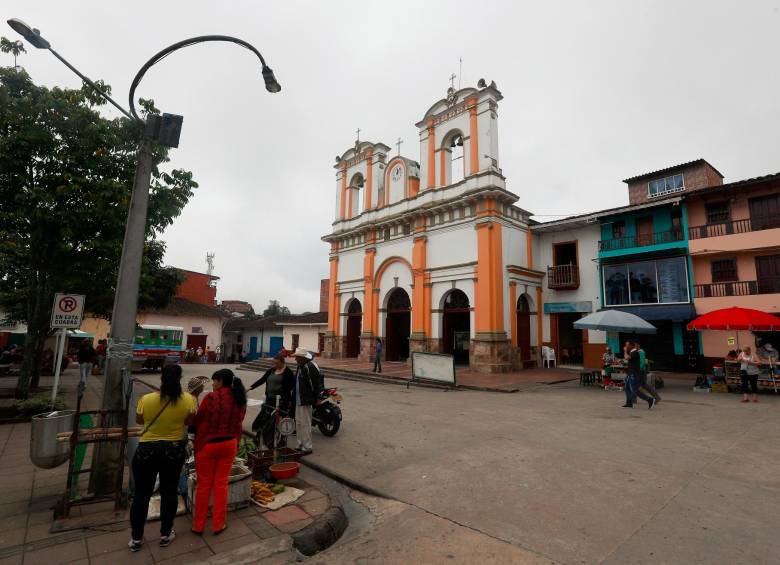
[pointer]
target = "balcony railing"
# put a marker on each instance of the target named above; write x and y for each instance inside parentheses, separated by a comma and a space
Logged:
(730, 227)
(770, 285)
(641, 240)
(563, 277)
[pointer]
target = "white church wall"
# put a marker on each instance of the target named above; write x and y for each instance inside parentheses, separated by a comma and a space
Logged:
(351, 264)
(452, 246)
(396, 181)
(398, 248)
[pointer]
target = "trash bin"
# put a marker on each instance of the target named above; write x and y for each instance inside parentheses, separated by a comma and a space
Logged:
(45, 451)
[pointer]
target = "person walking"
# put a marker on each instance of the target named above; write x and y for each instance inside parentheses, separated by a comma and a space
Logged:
(749, 367)
(86, 359)
(308, 385)
(100, 353)
(378, 356)
(218, 429)
(632, 385)
(164, 415)
(644, 379)
(279, 383)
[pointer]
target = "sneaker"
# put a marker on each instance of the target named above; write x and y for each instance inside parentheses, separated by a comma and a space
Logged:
(165, 541)
(627, 406)
(135, 545)
(305, 451)
(650, 403)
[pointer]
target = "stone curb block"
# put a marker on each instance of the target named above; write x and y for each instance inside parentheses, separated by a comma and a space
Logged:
(322, 533)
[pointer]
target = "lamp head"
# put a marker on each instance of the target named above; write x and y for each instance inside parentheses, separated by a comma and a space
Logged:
(271, 85)
(32, 35)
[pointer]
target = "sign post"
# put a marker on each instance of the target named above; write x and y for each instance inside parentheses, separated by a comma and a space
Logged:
(66, 313)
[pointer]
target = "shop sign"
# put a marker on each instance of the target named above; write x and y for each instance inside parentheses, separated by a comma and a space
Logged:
(731, 341)
(568, 307)
(197, 330)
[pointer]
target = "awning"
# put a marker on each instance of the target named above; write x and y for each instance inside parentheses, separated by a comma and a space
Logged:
(671, 312)
(78, 334)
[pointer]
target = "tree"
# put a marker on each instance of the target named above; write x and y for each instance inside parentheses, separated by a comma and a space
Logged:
(66, 176)
(276, 309)
(16, 48)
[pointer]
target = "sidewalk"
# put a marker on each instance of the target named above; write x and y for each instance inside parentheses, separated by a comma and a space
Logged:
(29, 493)
(503, 382)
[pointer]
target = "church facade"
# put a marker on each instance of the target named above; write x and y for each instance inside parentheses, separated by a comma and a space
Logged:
(433, 254)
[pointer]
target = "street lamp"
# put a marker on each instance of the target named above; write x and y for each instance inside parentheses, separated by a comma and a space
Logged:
(163, 129)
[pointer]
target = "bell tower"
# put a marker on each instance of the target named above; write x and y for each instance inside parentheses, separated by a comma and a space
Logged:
(459, 136)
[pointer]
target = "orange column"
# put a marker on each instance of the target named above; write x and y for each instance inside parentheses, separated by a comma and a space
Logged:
(512, 311)
(473, 138)
(539, 321)
(369, 178)
(431, 156)
(489, 303)
(419, 252)
(529, 248)
(334, 309)
(368, 290)
(343, 207)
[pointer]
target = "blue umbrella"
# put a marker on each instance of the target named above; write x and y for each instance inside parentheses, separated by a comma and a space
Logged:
(615, 321)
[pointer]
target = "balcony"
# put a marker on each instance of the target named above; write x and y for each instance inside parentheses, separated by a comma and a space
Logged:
(733, 227)
(643, 240)
(563, 277)
(770, 285)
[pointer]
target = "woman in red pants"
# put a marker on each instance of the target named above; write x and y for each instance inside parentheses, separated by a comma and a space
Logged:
(218, 428)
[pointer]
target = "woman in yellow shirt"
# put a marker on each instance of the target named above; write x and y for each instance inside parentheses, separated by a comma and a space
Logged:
(164, 415)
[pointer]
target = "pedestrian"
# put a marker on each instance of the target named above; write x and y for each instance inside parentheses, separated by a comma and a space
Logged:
(279, 383)
(644, 378)
(633, 380)
(378, 356)
(199, 354)
(308, 385)
(218, 429)
(100, 352)
(86, 359)
(749, 366)
(164, 415)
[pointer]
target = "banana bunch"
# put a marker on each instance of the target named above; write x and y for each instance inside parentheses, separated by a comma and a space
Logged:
(261, 492)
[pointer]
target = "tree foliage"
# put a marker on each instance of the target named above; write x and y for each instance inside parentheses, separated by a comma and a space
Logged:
(66, 176)
(276, 309)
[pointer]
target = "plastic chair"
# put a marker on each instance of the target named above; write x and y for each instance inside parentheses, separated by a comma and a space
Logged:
(548, 356)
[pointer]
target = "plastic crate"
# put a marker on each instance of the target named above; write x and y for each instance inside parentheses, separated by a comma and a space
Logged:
(260, 460)
(239, 488)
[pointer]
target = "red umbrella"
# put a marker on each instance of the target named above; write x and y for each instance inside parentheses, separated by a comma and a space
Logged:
(736, 319)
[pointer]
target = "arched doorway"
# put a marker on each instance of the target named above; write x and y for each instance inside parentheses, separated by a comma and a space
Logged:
(398, 325)
(354, 327)
(456, 326)
(524, 327)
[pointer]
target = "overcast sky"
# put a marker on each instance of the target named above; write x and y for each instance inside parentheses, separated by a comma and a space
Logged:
(594, 92)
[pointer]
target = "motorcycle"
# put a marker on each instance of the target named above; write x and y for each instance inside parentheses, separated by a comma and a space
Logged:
(326, 414)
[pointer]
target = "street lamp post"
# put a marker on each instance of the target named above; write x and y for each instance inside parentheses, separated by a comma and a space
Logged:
(165, 130)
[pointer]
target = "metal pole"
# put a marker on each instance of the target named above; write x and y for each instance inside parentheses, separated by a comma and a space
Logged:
(120, 351)
(58, 364)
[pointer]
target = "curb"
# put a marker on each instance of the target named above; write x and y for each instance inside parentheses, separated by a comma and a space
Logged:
(326, 529)
(322, 533)
(354, 485)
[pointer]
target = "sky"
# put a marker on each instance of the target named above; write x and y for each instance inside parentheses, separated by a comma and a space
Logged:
(594, 92)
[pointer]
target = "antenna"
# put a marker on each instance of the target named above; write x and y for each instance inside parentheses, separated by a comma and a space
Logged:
(209, 263)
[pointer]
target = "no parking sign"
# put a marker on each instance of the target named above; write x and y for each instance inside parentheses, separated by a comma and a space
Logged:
(67, 310)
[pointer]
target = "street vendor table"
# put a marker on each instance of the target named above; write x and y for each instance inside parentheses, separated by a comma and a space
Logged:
(767, 377)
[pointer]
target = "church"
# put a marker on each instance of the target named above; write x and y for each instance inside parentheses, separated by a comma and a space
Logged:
(432, 254)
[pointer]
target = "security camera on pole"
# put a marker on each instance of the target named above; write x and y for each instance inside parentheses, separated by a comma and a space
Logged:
(164, 130)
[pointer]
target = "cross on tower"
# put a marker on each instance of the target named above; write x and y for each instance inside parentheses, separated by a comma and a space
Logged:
(358, 134)
(452, 80)
(398, 144)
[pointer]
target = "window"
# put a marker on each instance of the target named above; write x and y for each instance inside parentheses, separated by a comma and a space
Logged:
(724, 270)
(618, 230)
(462, 213)
(296, 338)
(677, 224)
(717, 212)
(664, 281)
(407, 229)
(765, 212)
(658, 187)
(386, 235)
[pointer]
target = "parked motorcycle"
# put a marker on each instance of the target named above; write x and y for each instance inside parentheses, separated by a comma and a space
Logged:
(326, 414)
